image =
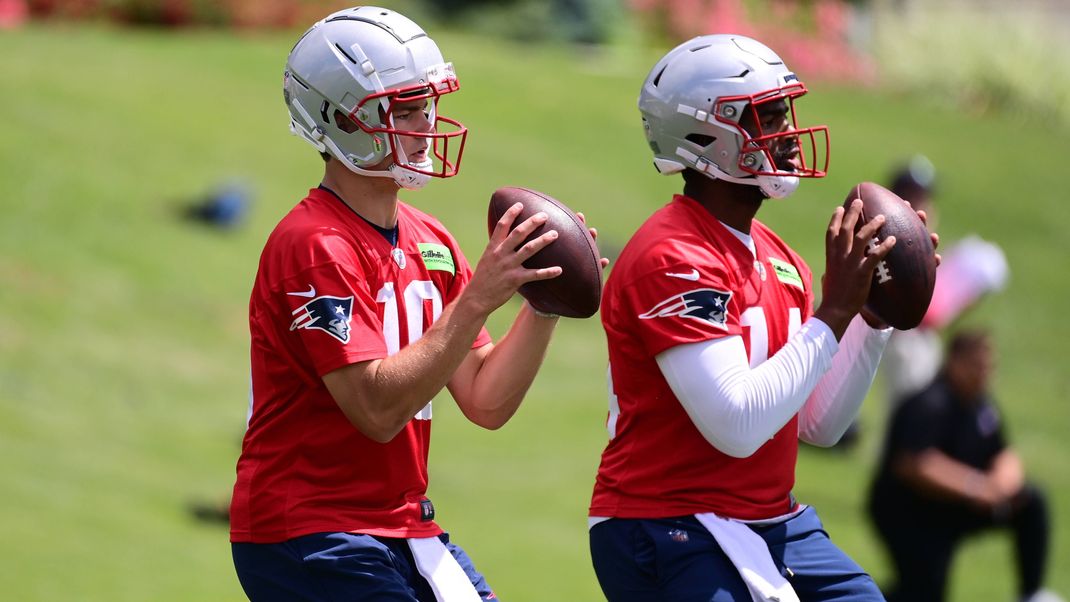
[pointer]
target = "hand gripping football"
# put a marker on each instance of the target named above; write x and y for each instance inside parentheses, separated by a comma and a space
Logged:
(903, 282)
(577, 292)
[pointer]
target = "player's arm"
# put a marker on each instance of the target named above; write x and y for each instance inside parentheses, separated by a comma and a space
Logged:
(834, 403)
(493, 379)
(380, 396)
(831, 408)
(737, 408)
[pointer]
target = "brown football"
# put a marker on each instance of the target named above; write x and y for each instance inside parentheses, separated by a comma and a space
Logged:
(903, 282)
(577, 292)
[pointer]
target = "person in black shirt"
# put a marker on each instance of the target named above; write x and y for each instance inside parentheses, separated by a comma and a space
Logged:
(947, 472)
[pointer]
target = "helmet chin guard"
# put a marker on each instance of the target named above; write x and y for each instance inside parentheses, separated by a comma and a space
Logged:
(697, 100)
(778, 187)
(412, 176)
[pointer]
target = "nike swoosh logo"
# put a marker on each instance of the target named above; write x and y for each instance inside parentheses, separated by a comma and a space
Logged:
(692, 275)
(311, 292)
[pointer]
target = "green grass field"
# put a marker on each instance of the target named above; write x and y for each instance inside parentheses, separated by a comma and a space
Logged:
(123, 337)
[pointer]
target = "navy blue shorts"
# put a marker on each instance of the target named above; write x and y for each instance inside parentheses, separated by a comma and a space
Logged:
(649, 560)
(341, 566)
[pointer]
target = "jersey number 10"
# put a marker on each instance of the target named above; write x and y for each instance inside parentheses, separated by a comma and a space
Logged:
(416, 293)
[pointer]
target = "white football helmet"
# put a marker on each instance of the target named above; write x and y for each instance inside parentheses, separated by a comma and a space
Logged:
(695, 98)
(343, 80)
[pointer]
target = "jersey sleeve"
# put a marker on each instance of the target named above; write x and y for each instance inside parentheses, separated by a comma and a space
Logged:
(331, 307)
(677, 301)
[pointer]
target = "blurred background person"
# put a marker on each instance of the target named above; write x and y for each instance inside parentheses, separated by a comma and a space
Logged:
(947, 472)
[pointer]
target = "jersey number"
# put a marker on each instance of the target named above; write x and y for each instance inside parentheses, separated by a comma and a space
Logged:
(754, 319)
(416, 293)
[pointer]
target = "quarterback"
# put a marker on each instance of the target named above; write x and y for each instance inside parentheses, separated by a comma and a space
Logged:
(719, 364)
(362, 310)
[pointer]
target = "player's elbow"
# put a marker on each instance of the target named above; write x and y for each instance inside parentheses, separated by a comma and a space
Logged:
(728, 432)
(383, 436)
(734, 444)
(486, 409)
(377, 424)
(744, 449)
(732, 430)
(490, 423)
(821, 433)
(491, 420)
(380, 431)
(818, 442)
(820, 439)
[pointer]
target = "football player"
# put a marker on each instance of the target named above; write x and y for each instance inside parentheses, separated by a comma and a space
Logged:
(719, 365)
(362, 310)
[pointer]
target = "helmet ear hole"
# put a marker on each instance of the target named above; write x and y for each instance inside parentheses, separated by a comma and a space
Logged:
(703, 140)
(344, 123)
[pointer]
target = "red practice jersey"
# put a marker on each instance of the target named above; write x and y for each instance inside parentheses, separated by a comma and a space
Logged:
(332, 291)
(685, 278)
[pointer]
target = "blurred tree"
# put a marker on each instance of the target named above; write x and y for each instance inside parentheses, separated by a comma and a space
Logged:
(12, 13)
(815, 36)
(580, 21)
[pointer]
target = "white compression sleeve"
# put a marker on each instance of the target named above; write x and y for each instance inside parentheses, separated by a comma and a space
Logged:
(835, 401)
(738, 409)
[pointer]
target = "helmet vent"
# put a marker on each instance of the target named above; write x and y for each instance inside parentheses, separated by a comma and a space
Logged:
(697, 48)
(299, 82)
(657, 78)
(323, 112)
(744, 74)
(702, 140)
(345, 54)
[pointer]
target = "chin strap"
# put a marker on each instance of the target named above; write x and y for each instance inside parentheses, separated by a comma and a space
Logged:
(402, 175)
(774, 187)
(410, 179)
(778, 187)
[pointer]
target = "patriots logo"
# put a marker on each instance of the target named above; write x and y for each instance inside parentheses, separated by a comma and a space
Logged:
(329, 314)
(704, 304)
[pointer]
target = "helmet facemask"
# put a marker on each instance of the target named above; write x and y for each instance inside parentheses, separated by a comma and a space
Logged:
(775, 156)
(348, 77)
(375, 115)
(769, 153)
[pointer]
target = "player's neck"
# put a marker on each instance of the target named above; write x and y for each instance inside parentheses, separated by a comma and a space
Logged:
(374, 199)
(733, 204)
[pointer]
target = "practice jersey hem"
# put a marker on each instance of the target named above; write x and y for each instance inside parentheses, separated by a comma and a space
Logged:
(431, 530)
(667, 511)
